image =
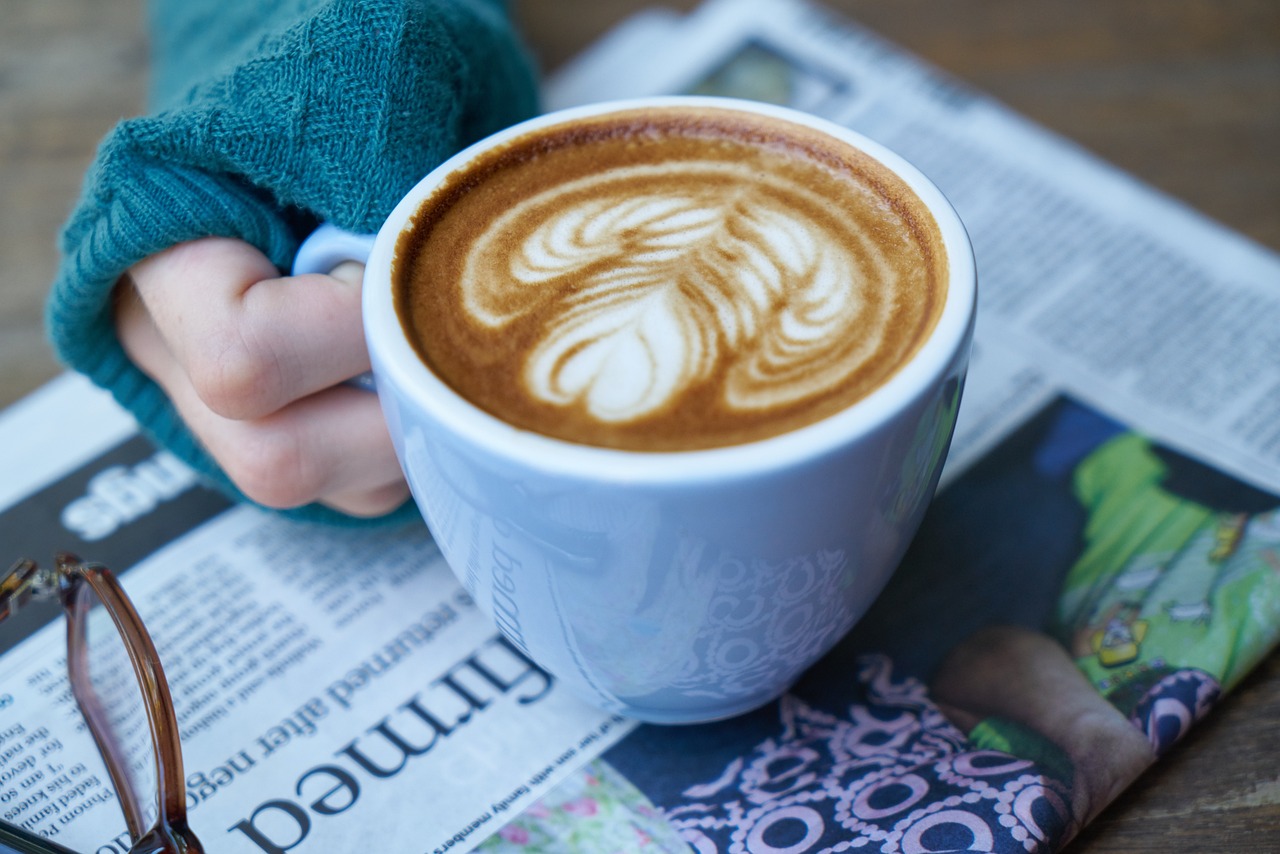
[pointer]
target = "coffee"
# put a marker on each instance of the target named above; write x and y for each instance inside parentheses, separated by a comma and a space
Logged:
(669, 278)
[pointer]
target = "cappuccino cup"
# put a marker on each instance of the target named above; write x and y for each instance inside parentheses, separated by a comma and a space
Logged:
(672, 381)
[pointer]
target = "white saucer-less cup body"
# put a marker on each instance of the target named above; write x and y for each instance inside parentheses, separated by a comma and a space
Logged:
(686, 586)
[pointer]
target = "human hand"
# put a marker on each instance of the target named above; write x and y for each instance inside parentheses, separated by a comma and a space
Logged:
(254, 364)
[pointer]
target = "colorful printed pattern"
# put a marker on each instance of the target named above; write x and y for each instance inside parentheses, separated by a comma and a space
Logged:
(895, 776)
(596, 811)
(1167, 711)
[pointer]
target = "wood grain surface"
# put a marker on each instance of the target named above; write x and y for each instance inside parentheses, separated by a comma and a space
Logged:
(1185, 94)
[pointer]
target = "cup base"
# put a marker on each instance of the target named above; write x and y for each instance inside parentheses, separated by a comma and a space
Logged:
(692, 715)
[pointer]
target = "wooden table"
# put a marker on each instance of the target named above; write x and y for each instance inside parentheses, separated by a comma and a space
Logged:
(1183, 93)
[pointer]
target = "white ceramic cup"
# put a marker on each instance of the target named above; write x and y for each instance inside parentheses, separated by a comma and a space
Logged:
(671, 587)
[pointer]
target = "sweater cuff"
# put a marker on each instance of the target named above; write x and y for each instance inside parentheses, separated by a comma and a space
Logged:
(122, 223)
(274, 116)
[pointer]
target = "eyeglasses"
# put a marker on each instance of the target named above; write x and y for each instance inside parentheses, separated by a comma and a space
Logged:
(120, 687)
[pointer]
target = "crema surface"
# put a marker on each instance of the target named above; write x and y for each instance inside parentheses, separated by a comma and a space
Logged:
(669, 279)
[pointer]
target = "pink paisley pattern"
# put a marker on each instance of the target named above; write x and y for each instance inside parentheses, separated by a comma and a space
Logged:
(892, 776)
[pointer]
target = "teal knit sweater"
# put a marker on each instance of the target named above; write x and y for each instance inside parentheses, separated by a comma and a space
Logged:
(267, 117)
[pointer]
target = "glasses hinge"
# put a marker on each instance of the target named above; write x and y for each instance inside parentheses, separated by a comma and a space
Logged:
(26, 581)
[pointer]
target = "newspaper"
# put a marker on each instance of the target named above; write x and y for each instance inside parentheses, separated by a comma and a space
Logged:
(331, 685)
(1100, 566)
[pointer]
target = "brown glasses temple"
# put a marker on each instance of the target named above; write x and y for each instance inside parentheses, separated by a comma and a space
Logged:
(74, 580)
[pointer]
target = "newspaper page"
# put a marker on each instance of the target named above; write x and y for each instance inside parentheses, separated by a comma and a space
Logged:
(334, 688)
(1101, 565)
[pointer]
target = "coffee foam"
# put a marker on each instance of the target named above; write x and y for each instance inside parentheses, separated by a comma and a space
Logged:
(656, 282)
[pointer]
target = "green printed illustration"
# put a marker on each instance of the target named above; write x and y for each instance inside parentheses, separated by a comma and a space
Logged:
(1166, 584)
(760, 72)
(755, 73)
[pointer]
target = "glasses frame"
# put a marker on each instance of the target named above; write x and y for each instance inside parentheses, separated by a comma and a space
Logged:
(72, 582)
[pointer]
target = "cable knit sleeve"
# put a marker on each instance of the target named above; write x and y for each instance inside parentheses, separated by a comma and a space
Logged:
(265, 119)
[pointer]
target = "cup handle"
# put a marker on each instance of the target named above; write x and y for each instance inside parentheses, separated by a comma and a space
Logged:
(325, 248)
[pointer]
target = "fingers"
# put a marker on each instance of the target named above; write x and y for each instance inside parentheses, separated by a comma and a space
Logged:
(249, 340)
(330, 447)
(262, 393)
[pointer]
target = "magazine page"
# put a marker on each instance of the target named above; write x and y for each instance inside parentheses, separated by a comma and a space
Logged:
(1073, 603)
(322, 677)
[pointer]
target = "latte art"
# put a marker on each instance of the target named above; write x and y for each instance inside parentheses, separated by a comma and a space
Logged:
(713, 272)
(671, 289)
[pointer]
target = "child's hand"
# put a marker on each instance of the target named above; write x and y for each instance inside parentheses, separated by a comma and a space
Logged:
(254, 364)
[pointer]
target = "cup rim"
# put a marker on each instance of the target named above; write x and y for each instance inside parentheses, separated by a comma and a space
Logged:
(396, 361)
